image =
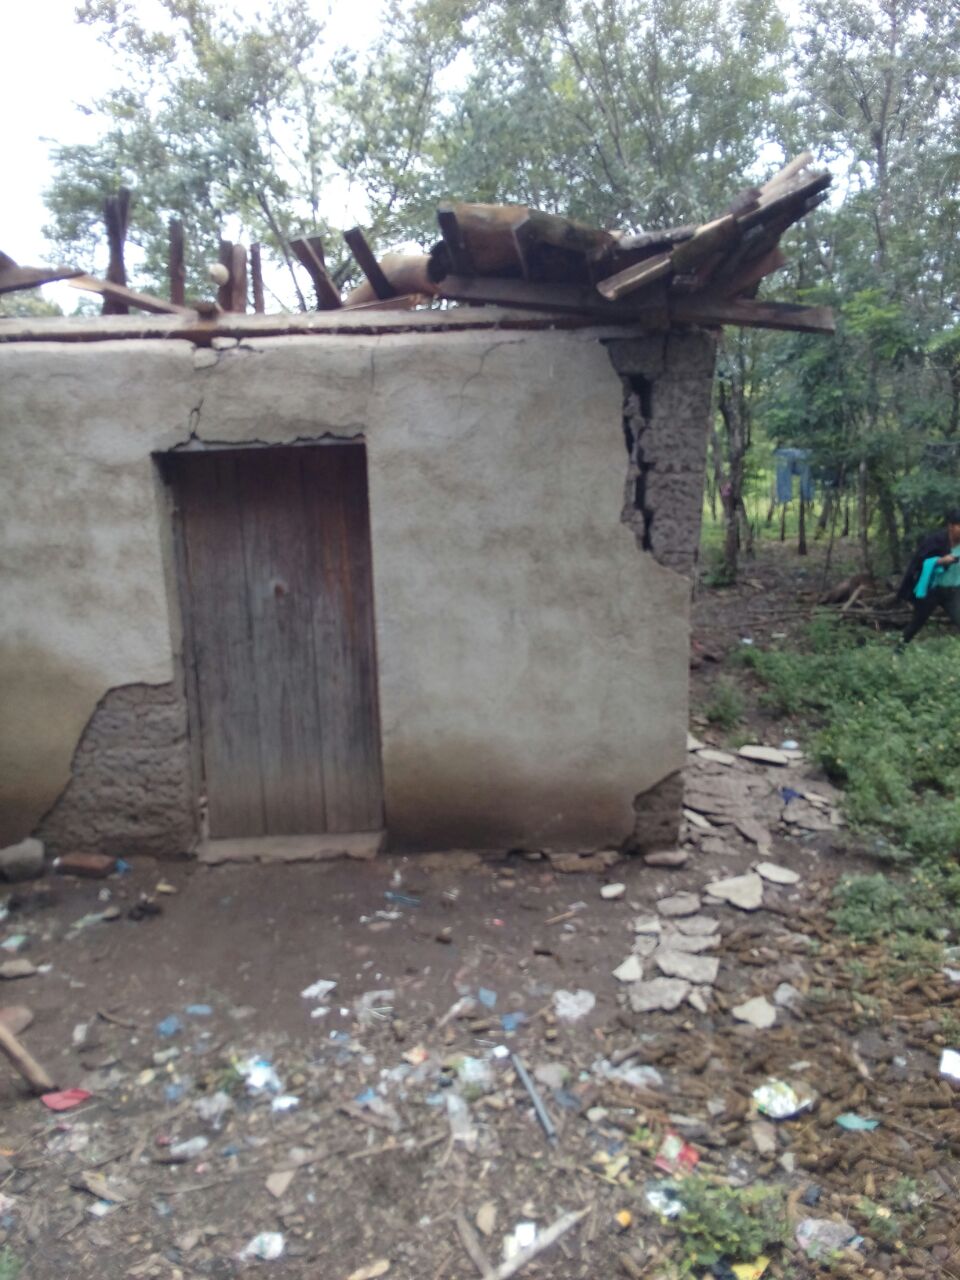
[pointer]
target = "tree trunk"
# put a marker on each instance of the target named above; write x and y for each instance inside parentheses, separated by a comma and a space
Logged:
(802, 538)
(863, 517)
(888, 514)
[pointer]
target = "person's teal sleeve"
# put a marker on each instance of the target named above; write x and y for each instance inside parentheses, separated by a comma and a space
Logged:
(925, 581)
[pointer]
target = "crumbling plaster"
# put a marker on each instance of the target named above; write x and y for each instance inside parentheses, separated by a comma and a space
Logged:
(532, 665)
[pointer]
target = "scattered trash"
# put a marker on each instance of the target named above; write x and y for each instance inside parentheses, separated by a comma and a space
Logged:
(214, 1108)
(789, 744)
(510, 1021)
(259, 1076)
(523, 1235)
(546, 1123)
(190, 1149)
(65, 1099)
(371, 1272)
(664, 1198)
(164, 886)
(93, 866)
(571, 1006)
(318, 990)
(750, 1270)
(746, 640)
(950, 1064)
(144, 909)
(266, 1247)
(14, 942)
(781, 1101)
(462, 1128)
(676, 1156)
(373, 1006)
(821, 1237)
(285, 1102)
(199, 1010)
(487, 997)
(623, 1220)
(640, 1076)
(170, 1026)
(475, 1074)
(856, 1124)
(402, 899)
(758, 1012)
(611, 892)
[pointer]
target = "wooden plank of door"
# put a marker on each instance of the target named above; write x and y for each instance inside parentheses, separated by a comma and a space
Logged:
(216, 595)
(338, 535)
(279, 591)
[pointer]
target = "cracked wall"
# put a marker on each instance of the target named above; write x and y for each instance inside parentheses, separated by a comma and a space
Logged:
(532, 665)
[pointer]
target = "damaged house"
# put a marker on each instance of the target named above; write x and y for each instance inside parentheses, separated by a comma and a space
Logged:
(414, 566)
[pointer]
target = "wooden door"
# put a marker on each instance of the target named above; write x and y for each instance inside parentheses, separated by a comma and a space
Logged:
(277, 596)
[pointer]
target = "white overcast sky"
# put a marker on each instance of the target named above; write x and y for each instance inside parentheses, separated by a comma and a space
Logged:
(53, 65)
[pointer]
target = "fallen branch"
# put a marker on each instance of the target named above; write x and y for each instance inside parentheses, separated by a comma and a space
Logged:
(29, 1068)
(549, 1237)
(473, 1247)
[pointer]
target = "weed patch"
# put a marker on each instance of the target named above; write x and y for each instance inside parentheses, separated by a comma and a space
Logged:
(721, 1224)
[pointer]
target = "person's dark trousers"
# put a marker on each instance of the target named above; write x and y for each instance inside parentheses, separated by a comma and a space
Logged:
(946, 598)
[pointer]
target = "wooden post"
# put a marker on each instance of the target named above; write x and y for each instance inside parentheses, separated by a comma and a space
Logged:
(238, 278)
(309, 251)
(783, 522)
(178, 272)
(802, 540)
(116, 211)
(256, 279)
(225, 258)
(28, 1066)
(368, 263)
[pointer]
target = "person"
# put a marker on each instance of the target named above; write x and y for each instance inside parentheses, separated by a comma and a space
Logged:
(932, 579)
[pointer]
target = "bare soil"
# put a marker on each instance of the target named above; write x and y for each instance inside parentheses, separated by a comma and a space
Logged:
(381, 1175)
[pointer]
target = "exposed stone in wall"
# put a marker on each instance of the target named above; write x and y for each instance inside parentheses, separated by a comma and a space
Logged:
(131, 789)
(667, 397)
(659, 811)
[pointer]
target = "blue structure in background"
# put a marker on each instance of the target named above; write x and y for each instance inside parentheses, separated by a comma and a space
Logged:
(790, 463)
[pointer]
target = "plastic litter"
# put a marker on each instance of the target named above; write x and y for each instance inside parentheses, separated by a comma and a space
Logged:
(950, 1064)
(462, 1128)
(856, 1124)
(750, 1270)
(475, 1074)
(189, 1149)
(318, 990)
(65, 1099)
(169, 1026)
(402, 899)
(267, 1247)
(664, 1198)
(487, 997)
(199, 1010)
(14, 942)
(259, 1076)
(510, 1021)
(780, 1100)
(286, 1102)
(214, 1108)
(676, 1156)
(571, 1006)
(523, 1236)
(546, 1123)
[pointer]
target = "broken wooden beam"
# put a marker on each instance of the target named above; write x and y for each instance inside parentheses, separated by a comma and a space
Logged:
(25, 1063)
(368, 264)
(309, 252)
(14, 277)
(256, 278)
(116, 214)
(237, 283)
(128, 297)
(407, 274)
(753, 314)
(176, 266)
(637, 277)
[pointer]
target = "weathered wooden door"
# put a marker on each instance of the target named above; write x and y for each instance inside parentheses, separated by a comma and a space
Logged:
(277, 595)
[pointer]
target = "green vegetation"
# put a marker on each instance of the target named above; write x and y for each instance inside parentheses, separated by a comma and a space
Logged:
(888, 733)
(10, 1264)
(726, 706)
(727, 1224)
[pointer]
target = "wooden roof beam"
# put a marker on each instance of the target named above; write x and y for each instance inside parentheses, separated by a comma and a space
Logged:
(368, 264)
(309, 252)
(14, 277)
(119, 294)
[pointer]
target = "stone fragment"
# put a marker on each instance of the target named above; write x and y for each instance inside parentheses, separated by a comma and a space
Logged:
(487, 1218)
(665, 994)
(697, 820)
(679, 904)
(764, 1137)
(630, 971)
(716, 757)
(698, 1000)
(645, 944)
(22, 861)
(745, 892)
(552, 1075)
(647, 924)
(753, 831)
(691, 943)
(694, 744)
(802, 814)
(763, 755)
(279, 1181)
(17, 969)
(613, 891)
(680, 964)
(696, 925)
(758, 1012)
(787, 996)
(776, 874)
(667, 858)
(16, 1018)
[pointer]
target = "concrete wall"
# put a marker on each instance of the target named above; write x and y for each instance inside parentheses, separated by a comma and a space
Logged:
(533, 661)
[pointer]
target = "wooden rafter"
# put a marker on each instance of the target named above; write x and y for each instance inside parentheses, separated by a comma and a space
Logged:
(117, 293)
(14, 277)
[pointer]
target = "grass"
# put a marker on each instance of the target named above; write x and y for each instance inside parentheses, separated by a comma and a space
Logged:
(10, 1264)
(727, 705)
(722, 1224)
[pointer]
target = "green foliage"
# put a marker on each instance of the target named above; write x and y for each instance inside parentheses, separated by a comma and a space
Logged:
(871, 908)
(888, 736)
(10, 1264)
(727, 705)
(727, 1224)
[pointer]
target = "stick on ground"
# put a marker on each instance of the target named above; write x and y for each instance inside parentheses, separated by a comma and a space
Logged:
(29, 1068)
(549, 1237)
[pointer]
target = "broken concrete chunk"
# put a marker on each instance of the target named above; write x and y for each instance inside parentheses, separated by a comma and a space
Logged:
(696, 925)
(777, 874)
(680, 964)
(800, 813)
(679, 904)
(487, 1218)
(745, 892)
(665, 994)
(758, 1012)
(716, 757)
(764, 1137)
(645, 944)
(613, 891)
(23, 861)
(764, 755)
(694, 744)
(753, 831)
(692, 943)
(698, 1000)
(647, 924)
(279, 1181)
(667, 858)
(787, 996)
(630, 971)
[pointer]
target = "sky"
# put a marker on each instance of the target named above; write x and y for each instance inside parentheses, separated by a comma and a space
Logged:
(53, 66)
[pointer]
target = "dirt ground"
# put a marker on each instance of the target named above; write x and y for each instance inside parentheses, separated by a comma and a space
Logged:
(410, 1117)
